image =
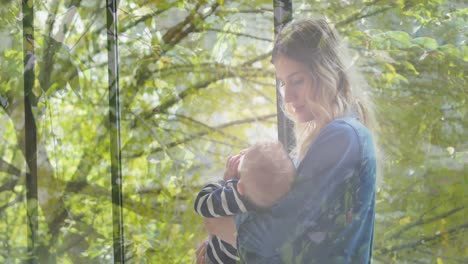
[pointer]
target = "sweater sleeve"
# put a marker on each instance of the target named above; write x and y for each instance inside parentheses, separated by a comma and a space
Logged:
(219, 199)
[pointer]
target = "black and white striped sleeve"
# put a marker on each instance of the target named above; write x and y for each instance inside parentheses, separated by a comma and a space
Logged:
(219, 199)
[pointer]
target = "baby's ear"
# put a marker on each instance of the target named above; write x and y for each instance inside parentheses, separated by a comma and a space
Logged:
(240, 187)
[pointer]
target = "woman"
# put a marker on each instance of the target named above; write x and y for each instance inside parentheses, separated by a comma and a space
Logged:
(328, 216)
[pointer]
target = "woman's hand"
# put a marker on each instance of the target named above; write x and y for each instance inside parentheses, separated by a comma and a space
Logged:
(223, 227)
(200, 253)
(232, 167)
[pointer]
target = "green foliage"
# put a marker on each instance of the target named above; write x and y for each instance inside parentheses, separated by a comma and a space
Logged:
(196, 85)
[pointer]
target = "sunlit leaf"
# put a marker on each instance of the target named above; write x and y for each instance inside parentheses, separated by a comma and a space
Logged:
(426, 43)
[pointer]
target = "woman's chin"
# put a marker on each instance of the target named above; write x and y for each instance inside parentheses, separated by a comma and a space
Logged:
(304, 118)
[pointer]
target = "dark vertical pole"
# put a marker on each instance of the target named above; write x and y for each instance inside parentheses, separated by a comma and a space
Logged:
(114, 118)
(30, 129)
(282, 15)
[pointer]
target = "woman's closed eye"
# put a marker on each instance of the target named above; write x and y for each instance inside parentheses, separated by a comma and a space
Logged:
(298, 82)
(292, 83)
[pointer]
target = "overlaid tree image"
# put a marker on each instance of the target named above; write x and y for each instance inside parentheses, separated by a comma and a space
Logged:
(114, 114)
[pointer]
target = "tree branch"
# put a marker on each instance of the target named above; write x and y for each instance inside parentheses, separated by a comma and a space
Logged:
(426, 221)
(10, 169)
(359, 15)
(210, 128)
(223, 74)
(141, 18)
(19, 198)
(423, 240)
(239, 34)
(246, 11)
(178, 32)
(201, 134)
(226, 125)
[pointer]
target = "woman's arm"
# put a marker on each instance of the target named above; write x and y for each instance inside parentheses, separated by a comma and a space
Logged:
(223, 227)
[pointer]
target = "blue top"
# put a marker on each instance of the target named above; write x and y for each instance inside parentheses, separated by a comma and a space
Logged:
(328, 216)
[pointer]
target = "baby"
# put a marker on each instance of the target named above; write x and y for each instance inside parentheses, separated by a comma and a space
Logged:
(254, 180)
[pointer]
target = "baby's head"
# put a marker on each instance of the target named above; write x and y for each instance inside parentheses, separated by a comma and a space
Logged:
(266, 174)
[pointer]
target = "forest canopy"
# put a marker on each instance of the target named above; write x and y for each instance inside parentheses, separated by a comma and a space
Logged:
(196, 84)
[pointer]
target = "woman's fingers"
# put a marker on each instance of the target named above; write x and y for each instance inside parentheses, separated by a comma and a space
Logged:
(232, 162)
(232, 166)
(200, 253)
(228, 161)
(236, 159)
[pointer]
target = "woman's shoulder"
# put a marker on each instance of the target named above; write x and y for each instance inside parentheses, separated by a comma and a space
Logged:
(341, 138)
(349, 131)
(345, 128)
(345, 125)
(335, 141)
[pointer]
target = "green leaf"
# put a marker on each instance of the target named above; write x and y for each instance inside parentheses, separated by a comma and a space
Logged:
(464, 50)
(410, 67)
(400, 39)
(451, 50)
(426, 43)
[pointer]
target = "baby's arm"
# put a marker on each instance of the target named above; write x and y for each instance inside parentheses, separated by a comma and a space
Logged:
(219, 199)
(222, 198)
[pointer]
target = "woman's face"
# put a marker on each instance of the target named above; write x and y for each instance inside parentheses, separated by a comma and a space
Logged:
(295, 87)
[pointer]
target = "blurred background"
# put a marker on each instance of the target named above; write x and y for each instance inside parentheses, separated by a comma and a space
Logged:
(195, 84)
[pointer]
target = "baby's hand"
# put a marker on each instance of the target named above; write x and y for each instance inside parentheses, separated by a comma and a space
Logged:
(232, 165)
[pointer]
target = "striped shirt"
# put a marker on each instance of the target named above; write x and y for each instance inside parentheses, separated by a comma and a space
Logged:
(220, 199)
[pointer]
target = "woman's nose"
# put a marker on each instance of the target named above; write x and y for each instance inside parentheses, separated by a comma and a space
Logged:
(289, 95)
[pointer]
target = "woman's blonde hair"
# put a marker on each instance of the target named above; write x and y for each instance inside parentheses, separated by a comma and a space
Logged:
(336, 88)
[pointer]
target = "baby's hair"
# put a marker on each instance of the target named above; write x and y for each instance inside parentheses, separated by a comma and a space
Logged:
(267, 172)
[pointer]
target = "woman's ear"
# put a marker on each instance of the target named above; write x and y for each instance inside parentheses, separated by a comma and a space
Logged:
(240, 187)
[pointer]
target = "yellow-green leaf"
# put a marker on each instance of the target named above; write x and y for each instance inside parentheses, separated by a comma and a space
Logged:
(426, 43)
(405, 220)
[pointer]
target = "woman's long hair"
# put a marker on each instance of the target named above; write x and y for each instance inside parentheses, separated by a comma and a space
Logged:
(336, 88)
